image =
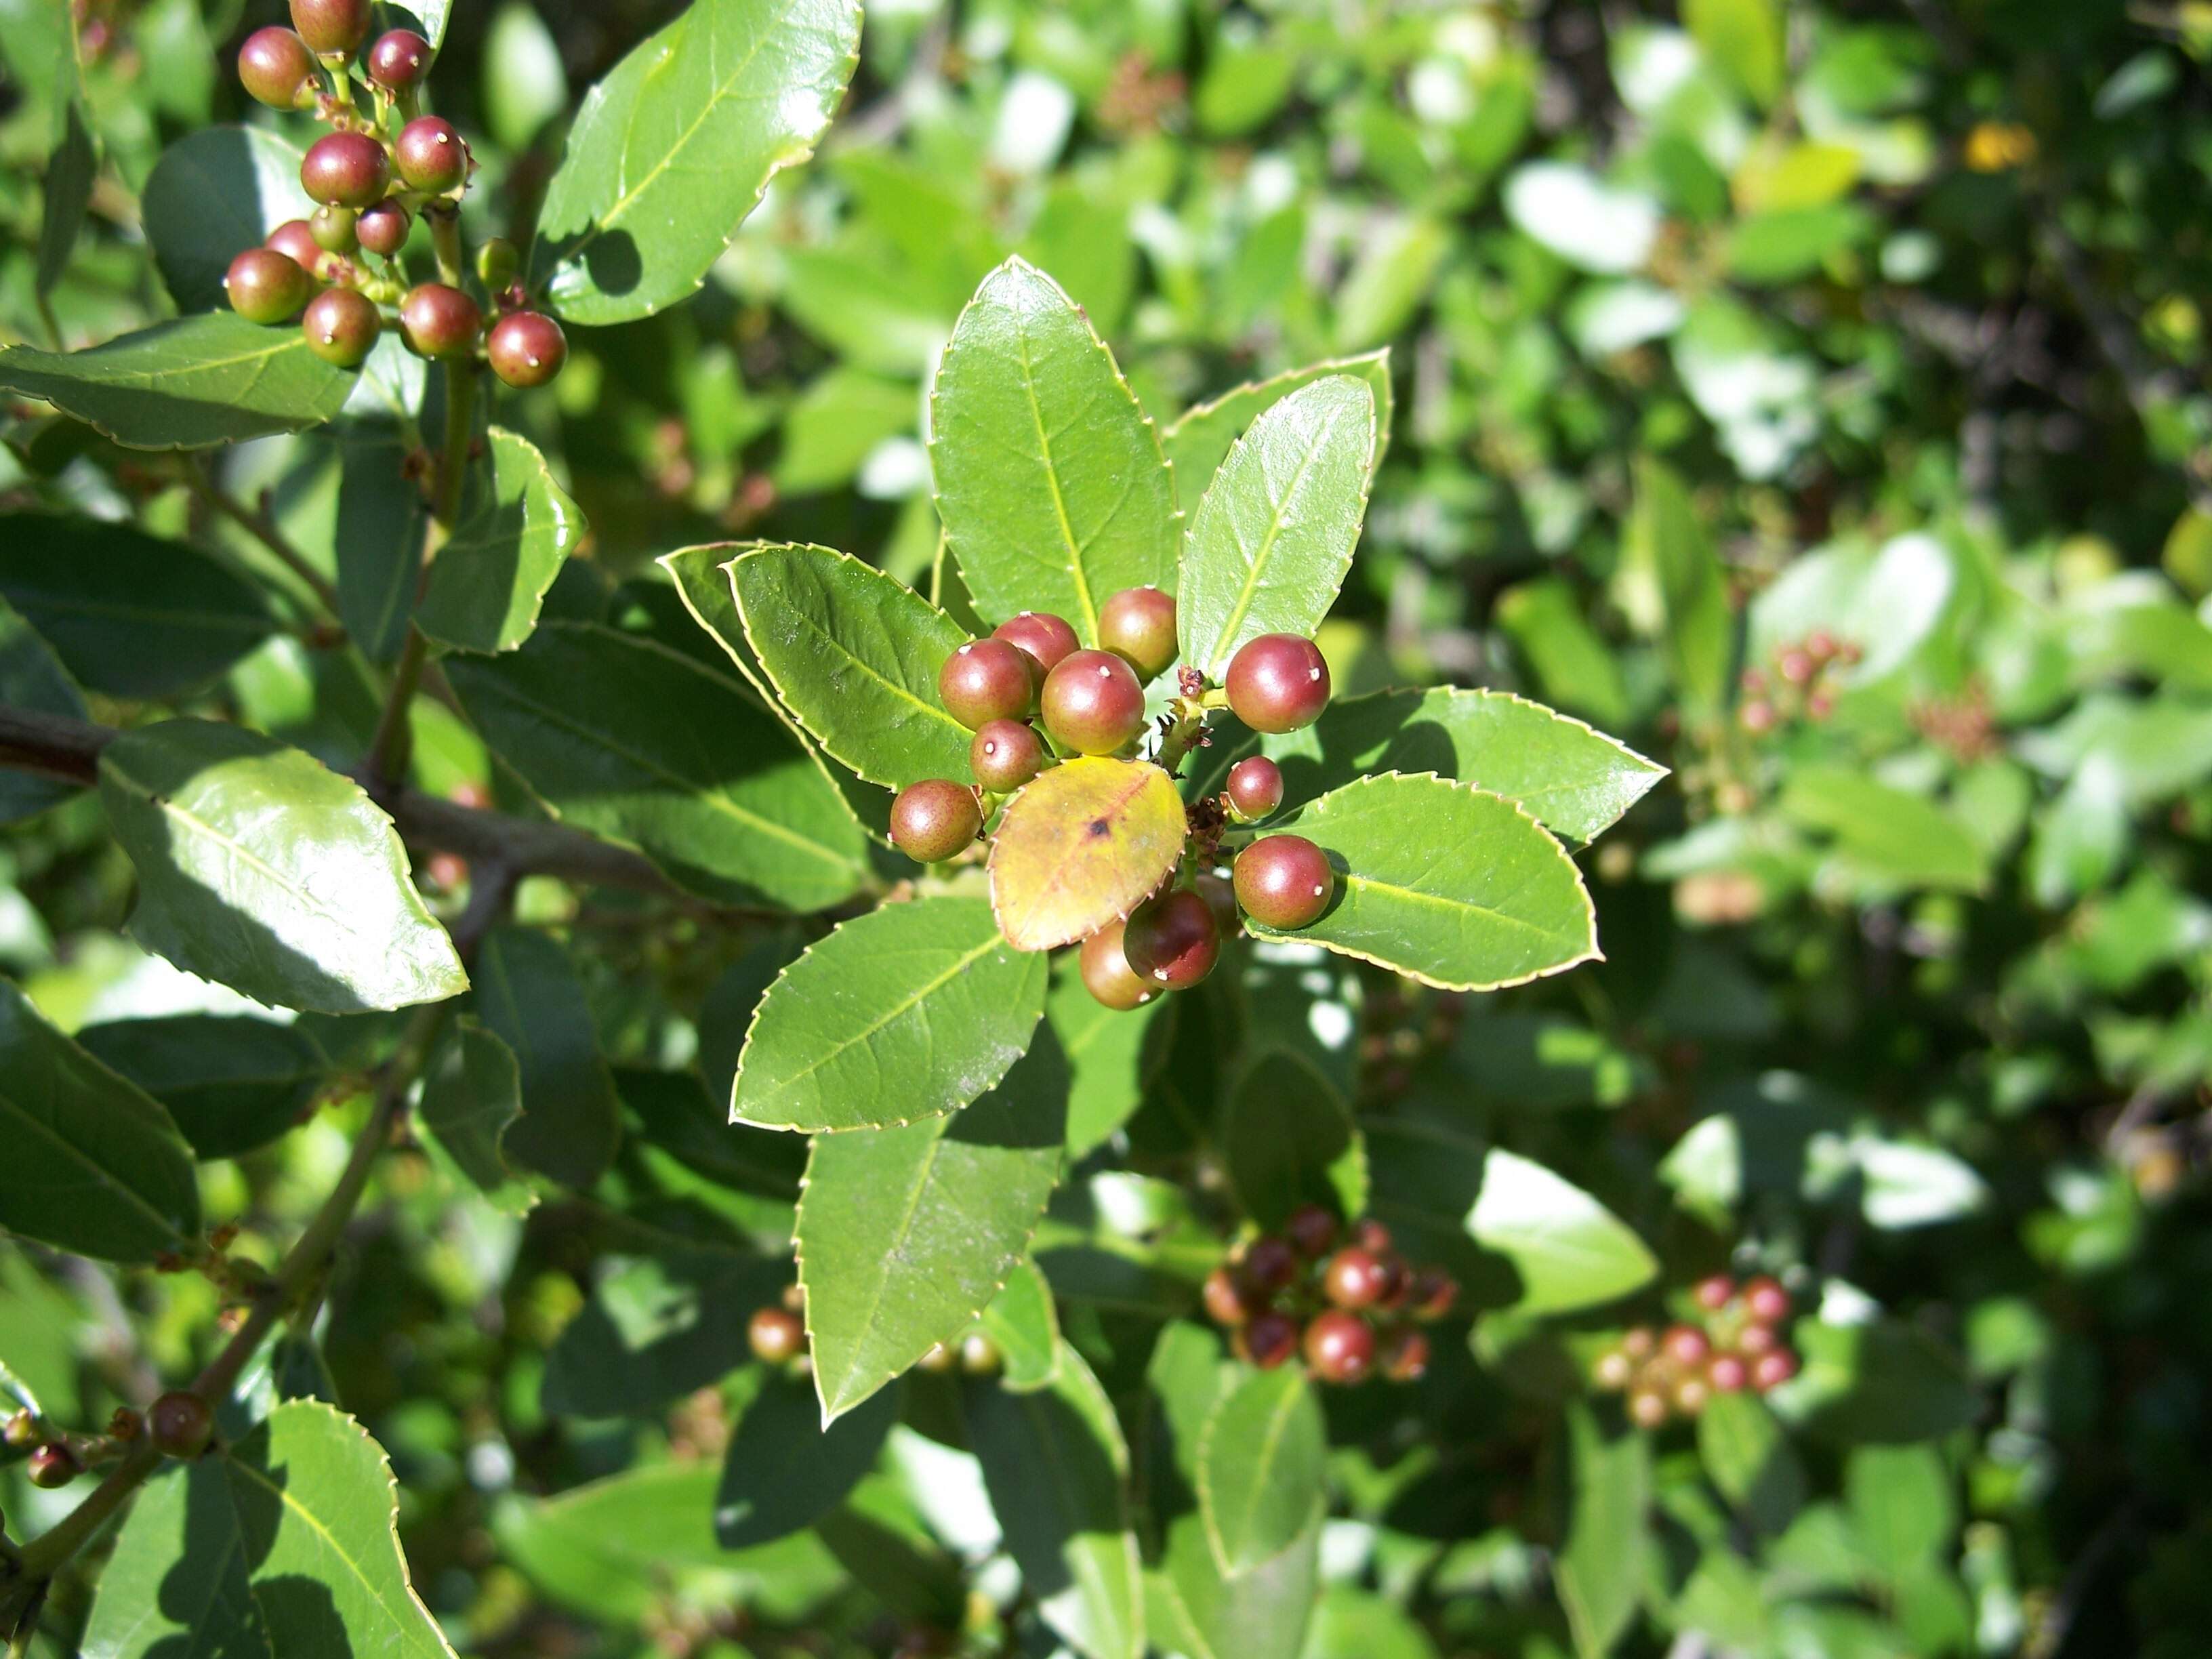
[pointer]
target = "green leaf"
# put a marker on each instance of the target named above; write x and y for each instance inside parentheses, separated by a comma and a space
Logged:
(71, 170)
(1600, 1569)
(529, 996)
(1288, 1138)
(1022, 1321)
(670, 152)
(1199, 440)
(472, 1096)
(378, 535)
(1904, 1505)
(1745, 39)
(1262, 1457)
(1889, 835)
(786, 1468)
(1459, 888)
(1058, 1470)
(1884, 1383)
(656, 1328)
(1569, 1249)
(1274, 536)
(1668, 551)
(230, 1084)
(1572, 666)
(214, 194)
(516, 527)
(623, 736)
(907, 1013)
(287, 1542)
(261, 869)
(32, 680)
(1111, 1055)
(190, 384)
(854, 654)
(1050, 479)
(1081, 846)
(1747, 1457)
(906, 1235)
(129, 615)
(95, 1165)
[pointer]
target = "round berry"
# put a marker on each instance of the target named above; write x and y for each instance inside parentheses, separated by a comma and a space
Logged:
(986, 680)
(22, 1429)
(1005, 754)
(1173, 941)
(398, 60)
(1755, 1339)
(1224, 1302)
(1647, 1408)
(1691, 1394)
(1355, 1278)
(1433, 1294)
(1269, 1339)
(1371, 1234)
(1639, 1342)
(1405, 1355)
(980, 1356)
(1312, 1231)
(1715, 1293)
(940, 1358)
(1107, 974)
(1764, 1300)
(1268, 1267)
(1256, 789)
(1278, 682)
(1284, 882)
(345, 169)
(276, 68)
(526, 348)
(180, 1424)
(1685, 1345)
(775, 1334)
(54, 1465)
(1139, 625)
(1046, 637)
(498, 261)
(331, 25)
(342, 326)
(266, 287)
(383, 228)
(1092, 702)
(297, 242)
(1613, 1370)
(439, 321)
(1339, 1346)
(430, 156)
(1773, 1369)
(1727, 1374)
(333, 229)
(935, 819)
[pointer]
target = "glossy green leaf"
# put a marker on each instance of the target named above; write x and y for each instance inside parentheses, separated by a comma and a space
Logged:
(784, 1468)
(516, 526)
(285, 1543)
(95, 1165)
(658, 1327)
(229, 1083)
(214, 194)
(1058, 1471)
(1568, 1249)
(622, 736)
(1081, 846)
(1887, 834)
(906, 1235)
(1199, 438)
(1459, 888)
(1111, 1055)
(262, 870)
(1024, 1326)
(198, 381)
(129, 615)
(529, 997)
(1669, 552)
(1599, 1567)
(1262, 1457)
(907, 1013)
(670, 152)
(1050, 479)
(1274, 536)
(854, 654)
(32, 679)
(472, 1096)
(1288, 1138)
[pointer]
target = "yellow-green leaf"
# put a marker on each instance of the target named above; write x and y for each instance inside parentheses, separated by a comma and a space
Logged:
(1081, 846)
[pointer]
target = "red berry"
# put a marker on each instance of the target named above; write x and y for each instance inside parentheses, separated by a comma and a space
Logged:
(1224, 1302)
(1371, 1234)
(1405, 1354)
(1795, 666)
(1284, 882)
(1046, 637)
(430, 156)
(1757, 715)
(275, 67)
(1269, 1339)
(331, 25)
(935, 819)
(399, 59)
(1355, 1278)
(383, 228)
(1764, 1300)
(1278, 682)
(1647, 1408)
(1755, 1339)
(1715, 1293)
(333, 228)
(1267, 1266)
(1255, 787)
(775, 1334)
(526, 348)
(1139, 625)
(264, 286)
(1173, 941)
(1092, 702)
(1005, 754)
(986, 680)
(180, 1424)
(1773, 1369)
(439, 321)
(1727, 1374)
(342, 326)
(1339, 1346)
(1312, 1230)
(1686, 1344)
(54, 1465)
(345, 169)
(1107, 974)
(1434, 1293)
(297, 242)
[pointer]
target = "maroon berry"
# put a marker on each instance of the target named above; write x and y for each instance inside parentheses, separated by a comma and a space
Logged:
(333, 229)
(1005, 754)
(297, 242)
(1685, 1345)
(1173, 941)
(1284, 882)
(54, 1465)
(1138, 624)
(430, 156)
(1773, 1369)
(1312, 1231)
(1715, 1293)
(1647, 1408)
(331, 25)
(1339, 1346)
(1405, 1355)
(1355, 1278)
(345, 169)
(1278, 682)
(1727, 1374)
(180, 1424)
(1372, 1235)
(342, 326)
(1613, 1370)
(275, 67)
(1764, 1300)
(986, 680)
(1397, 1282)
(398, 60)
(1224, 1302)
(1092, 702)
(934, 820)
(439, 321)
(526, 348)
(1046, 637)
(1269, 1339)
(1433, 1294)
(1255, 787)
(775, 1334)
(383, 228)
(1107, 974)
(1268, 1267)
(265, 286)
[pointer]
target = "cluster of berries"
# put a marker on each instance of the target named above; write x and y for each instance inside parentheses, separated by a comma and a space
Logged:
(1797, 686)
(1354, 1309)
(370, 188)
(180, 1424)
(1738, 1345)
(777, 1336)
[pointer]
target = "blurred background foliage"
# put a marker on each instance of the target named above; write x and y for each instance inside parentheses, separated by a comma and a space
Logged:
(1711, 331)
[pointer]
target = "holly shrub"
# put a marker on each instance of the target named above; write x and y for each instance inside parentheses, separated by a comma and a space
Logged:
(1287, 831)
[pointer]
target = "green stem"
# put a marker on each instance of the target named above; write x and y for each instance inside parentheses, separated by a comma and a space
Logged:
(258, 526)
(445, 240)
(1182, 737)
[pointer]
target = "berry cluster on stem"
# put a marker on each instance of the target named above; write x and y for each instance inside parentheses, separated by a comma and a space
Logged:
(1796, 685)
(1735, 1343)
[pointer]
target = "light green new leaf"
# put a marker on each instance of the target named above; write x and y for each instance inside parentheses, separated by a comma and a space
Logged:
(1262, 1460)
(785, 1467)
(1199, 440)
(286, 1543)
(190, 384)
(1050, 479)
(213, 194)
(1904, 1505)
(93, 1164)
(626, 737)
(907, 1013)
(1288, 1138)
(1600, 1569)
(230, 1083)
(670, 152)
(529, 996)
(262, 870)
(1667, 549)
(471, 1094)
(1024, 1326)
(1459, 889)
(516, 526)
(907, 1235)
(854, 654)
(1891, 834)
(1745, 39)
(1568, 1249)
(1272, 538)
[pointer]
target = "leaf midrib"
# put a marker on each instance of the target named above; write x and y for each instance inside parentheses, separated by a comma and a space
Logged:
(1075, 550)
(1278, 1421)
(79, 1155)
(1276, 514)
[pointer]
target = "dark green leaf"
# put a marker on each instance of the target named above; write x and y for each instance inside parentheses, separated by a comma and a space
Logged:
(214, 194)
(1288, 1138)
(1600, 1569)
(71, 171)
(230, 1085)
(528, 995)
(472, 1096)
(516, 526)
(1883, 1383)
(1668, 548)
(32, 679)
(1111, 1055)
(1569, 1250)
(379, 537)
(656, 1329)
(784, 1470)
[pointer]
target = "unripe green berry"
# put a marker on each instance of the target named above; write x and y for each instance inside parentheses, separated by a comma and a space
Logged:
(986, 680)
(1284, 882)
(1046, 637)
(383, 228)
(1278, 682)
(1092, 702)
(398, 60)
(526, 348)
(276, 68)
(264, 286)
(333, 229)
(934, 820)
(1256, 789)
(430, 156)
(439, 321)
(331, 26)
(498, 262)
(180, 1424)
(1139, 625)
(342, 326)
(345, 169)
(1107, 974)
(1172, 941)
(1005, 754)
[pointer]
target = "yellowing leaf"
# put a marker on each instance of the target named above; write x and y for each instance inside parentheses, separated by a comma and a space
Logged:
(1082, 847)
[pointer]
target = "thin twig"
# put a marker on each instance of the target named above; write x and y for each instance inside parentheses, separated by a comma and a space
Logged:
(263, 529)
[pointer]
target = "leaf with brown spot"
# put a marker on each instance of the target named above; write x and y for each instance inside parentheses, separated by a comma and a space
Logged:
(1081, 848)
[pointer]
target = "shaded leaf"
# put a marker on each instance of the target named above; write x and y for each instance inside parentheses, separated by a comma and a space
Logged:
(1569, 1250)
(212, 195)
(230, 1084)
(1262, 1460)
(472, 1096)
(528, 995)
(516, 526)
(1081, 846)
(1288, 1137)
(784, 1468)
(71, 170)
(1747, 1457)
(1600, 1570)
(1023, 1323)
(32, 679)
(1667, 548)
(656, 1328)
(1111, 1055)
(378, 537)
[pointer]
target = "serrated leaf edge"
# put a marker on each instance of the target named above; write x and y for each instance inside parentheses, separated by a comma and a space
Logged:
(1120, 915)
(1216, 1546)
